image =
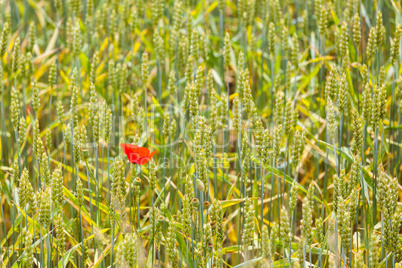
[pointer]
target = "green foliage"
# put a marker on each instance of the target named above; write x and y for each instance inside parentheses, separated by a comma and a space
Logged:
(275, 127)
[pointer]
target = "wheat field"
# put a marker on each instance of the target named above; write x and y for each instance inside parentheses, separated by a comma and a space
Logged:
(200, 133)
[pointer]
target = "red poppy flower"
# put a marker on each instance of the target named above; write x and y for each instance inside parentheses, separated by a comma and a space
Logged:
(136, 154)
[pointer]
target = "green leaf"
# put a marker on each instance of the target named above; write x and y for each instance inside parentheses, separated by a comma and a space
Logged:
(280, 174)
(248, 263)
(66, 257)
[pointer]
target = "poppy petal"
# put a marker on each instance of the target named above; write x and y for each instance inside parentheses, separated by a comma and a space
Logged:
(129, 147)
(143, 160)
(136, 154)
(132, 157)
(143, 151)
